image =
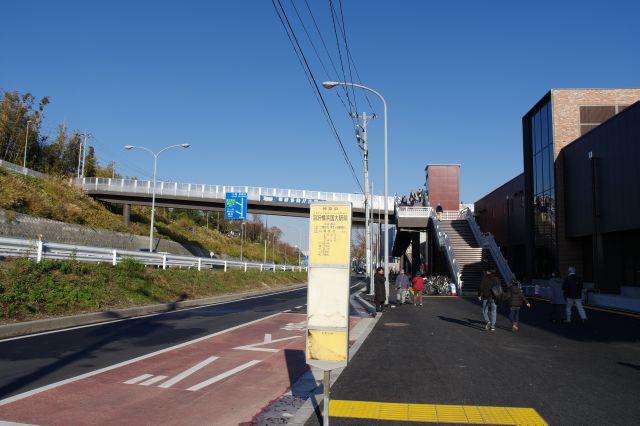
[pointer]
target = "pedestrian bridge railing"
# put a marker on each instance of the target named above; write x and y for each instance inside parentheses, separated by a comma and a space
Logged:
(487, 241)
(218, 192)
(445, 243)
(409, 211)
(39, 250)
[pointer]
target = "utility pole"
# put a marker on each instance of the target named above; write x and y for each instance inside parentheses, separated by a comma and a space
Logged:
(361, 136)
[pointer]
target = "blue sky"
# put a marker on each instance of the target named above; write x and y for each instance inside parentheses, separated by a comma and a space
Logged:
(457, 76)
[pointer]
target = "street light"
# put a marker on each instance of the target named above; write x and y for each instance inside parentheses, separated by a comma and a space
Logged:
(153, 196)
(26, 141)
(331, 85)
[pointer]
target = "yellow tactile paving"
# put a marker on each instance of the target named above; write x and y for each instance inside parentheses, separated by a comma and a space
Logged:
(435, 413)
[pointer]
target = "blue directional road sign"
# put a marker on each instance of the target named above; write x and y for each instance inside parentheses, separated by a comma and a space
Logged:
(235, 206)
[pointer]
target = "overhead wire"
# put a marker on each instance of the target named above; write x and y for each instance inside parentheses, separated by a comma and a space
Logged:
(318, 55)
(326, 49)
(346, 48)
(282, 15)
(355, 68)
(344, 76)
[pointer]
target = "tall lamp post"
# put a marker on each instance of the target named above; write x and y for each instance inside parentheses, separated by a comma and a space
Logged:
(26, 142)
(153, 192)
(331, 85)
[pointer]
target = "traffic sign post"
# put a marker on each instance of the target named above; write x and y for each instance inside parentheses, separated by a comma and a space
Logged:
(235, 206)
(328, 294)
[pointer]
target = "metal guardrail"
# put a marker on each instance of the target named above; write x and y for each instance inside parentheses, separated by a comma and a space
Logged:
(19, 169)
(39, 250)
(488, 241)
(443, 240)
(218, 192)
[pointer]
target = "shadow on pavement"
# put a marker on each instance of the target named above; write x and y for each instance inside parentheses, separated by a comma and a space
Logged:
(600, 326)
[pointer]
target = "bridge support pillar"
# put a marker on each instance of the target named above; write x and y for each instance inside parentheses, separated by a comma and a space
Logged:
(126, 213)
(415, 253)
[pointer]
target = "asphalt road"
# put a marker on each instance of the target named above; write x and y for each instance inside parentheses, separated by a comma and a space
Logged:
(34, 361)
(571, 374)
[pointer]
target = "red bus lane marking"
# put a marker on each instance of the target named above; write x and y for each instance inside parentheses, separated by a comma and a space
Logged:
(208, 382)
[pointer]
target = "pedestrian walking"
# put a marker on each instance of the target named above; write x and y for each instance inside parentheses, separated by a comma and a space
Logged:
(488, 298)
(557, 298)
(514, 300)
(572, 287)
(418, 286)
(402, 287)
(379, 289)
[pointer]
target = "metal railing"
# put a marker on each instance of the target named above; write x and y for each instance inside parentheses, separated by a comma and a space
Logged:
(218, 192)
(407, 211)
(487, 241)
(445, 242)
(448, 215)
(40, 250)
(19, 169)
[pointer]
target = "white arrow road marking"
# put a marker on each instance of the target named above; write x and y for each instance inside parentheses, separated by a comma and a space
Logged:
(138, 379)
(223, 375)
(295, 326)
(267, 341)
(153, 380)
(188, 372)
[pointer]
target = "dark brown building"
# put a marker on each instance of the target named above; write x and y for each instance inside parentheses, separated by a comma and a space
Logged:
(443, 186)
(581, 189)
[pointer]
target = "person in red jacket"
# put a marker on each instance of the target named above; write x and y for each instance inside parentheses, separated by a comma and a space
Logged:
(418, 286)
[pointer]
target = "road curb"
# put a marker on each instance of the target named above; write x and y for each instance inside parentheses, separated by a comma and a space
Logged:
(51, 324)
(312, 404)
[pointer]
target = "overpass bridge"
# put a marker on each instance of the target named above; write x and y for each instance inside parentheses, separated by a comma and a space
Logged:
(270, 201)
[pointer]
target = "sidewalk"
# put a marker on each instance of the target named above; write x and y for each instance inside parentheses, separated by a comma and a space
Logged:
(437, 364)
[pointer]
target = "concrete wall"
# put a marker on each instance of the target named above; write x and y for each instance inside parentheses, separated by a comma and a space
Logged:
(17, 225)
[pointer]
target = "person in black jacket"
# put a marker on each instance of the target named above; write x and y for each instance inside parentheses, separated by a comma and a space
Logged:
(380, 289)
(572, 287)
(515, 299)
(488, 299)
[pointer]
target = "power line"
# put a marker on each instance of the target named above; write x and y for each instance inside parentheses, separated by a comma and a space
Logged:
(346, 47)
(352, 61)
(335, 32)
(317, 54)
(312, 81)
(333, 65)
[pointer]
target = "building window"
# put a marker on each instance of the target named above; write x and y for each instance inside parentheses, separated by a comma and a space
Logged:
(544, 208)
(591, 116)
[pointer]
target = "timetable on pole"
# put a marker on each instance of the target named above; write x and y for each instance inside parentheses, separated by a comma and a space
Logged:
(328, 293)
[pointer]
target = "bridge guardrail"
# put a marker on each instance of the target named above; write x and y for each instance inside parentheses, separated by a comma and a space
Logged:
(218, 192)
(39, 250)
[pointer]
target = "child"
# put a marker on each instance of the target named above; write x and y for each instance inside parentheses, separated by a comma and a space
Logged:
(515, 299)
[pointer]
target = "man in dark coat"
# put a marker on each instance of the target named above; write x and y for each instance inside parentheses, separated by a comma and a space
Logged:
(380, 289)
(488, 299)
(572, 287)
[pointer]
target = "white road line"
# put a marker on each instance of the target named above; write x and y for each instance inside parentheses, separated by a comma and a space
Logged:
(148, 315)
(153, 380)
(138, 379)
(123, 363)
(186, 373)
(298, 307)
(253, 346)
(223, 376)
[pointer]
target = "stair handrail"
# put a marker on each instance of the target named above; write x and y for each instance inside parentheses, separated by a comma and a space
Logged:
(488, 241)
(445, 242)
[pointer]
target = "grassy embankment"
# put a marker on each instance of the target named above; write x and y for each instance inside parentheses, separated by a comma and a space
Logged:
(54, 198)
(30, 290)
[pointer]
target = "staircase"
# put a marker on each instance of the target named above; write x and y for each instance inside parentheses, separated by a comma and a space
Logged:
(468, 253)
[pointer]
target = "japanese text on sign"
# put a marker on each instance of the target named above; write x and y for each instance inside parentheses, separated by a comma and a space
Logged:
(329, 240)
